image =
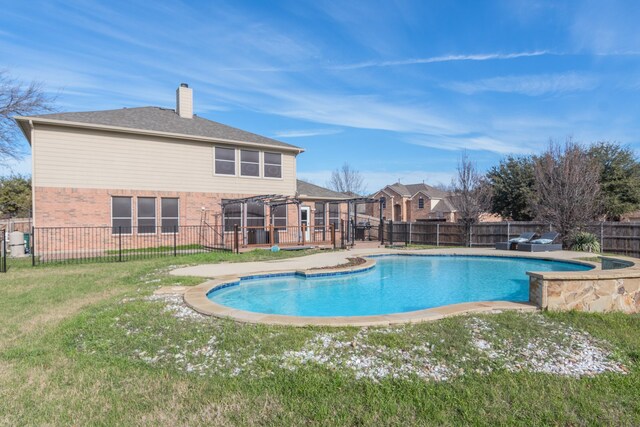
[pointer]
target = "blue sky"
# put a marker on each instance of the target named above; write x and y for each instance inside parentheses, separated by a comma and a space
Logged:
(396, 88)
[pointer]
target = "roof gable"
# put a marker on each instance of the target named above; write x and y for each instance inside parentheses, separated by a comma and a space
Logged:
(156, 119)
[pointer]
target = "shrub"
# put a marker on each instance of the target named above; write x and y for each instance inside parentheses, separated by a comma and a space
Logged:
(585, 242)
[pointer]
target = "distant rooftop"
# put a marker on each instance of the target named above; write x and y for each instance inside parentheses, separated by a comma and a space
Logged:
(306, 189)
(410, 190)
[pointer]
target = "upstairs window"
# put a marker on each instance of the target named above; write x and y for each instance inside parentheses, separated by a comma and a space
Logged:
(279, 216)
(319, 217)
(169, 212)
(146, 215)
(383, 200)
(225, 162)
(249, 163)
(273, 165)
(121, 215)
(420, 203)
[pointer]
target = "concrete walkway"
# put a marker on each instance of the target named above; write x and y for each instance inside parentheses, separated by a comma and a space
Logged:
(331, 259)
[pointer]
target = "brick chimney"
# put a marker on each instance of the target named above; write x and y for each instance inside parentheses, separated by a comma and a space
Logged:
(184, 101)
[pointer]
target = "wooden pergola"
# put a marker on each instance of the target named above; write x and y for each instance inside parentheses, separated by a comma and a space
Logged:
(270, 200)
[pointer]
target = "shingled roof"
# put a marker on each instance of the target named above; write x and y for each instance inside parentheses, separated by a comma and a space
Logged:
(156, 119)
(409, 190)
(307, 190)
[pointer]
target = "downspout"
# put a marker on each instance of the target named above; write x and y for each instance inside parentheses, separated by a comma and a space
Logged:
(33, 173)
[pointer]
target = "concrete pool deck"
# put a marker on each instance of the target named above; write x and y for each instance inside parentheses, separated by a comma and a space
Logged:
(335, 258)
(225, 274)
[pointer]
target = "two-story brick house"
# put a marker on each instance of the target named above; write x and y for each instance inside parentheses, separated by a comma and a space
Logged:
(150, 169)
(413, 202)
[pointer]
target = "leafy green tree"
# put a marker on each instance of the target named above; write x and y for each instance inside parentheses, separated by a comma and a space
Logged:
(15, 196)
(513, 182)
(619, 178)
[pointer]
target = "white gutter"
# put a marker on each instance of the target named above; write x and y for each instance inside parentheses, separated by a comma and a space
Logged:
(181, 136)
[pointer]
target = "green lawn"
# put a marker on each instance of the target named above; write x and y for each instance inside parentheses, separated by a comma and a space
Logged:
(86, 344)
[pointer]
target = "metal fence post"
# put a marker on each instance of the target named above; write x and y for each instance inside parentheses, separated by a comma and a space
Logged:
(342, 245)
(437, 234)
(236, 240)
(409, 233)
(119, 243)
(33, 247)
(406, 235)
(381, 231)
(304, 234)
(508, 231)
(470, 235)
(391, 232)
(175, 238)
(332, 229)
(3, 254)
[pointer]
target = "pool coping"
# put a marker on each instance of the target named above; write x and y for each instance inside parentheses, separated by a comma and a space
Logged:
(197, 297)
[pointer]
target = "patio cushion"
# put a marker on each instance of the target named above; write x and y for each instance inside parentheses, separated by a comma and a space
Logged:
(542, 241)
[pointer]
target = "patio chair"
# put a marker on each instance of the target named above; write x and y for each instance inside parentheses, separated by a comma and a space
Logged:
(512, 243)
(543, 244)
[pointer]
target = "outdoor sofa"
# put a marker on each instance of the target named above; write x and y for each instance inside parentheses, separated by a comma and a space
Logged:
(512, 243)
(542, 244)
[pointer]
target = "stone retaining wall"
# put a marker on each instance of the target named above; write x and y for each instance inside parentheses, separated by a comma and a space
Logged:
(593, 291)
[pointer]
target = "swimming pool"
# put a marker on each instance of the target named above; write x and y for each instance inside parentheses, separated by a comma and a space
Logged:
(396, 284)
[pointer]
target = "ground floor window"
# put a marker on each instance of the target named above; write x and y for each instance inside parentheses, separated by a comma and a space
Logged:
(121, 215)
(169, 212)
(232, 216)
(319, 217)
(334, 215)
(279, 216)
(146, 215)
(255, 214)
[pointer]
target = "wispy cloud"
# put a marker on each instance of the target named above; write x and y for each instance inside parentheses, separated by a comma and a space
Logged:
(444, 58)
(305, 133)
(531, 85)
(494, 144)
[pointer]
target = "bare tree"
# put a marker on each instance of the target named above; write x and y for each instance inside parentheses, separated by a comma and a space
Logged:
(567, 180)
(470, 194)
(17, 99)
(347, 180)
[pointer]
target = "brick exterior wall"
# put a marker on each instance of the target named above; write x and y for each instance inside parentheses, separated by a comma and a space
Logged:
(415, 213)
(78, 209)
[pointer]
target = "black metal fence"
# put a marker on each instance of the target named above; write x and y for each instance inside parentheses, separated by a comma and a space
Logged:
(118, 244)
(111, 244)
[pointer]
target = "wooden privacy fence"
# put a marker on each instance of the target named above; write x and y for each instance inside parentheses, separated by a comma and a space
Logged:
(16, 224)
(615, 237)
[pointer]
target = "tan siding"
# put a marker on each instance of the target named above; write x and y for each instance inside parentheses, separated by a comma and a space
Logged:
(67, 157)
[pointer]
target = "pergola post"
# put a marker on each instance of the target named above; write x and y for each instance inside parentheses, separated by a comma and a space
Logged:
(299, 222)
(223, 224)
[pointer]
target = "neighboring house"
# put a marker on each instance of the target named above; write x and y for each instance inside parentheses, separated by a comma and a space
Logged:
(413, 202)
(140, 168)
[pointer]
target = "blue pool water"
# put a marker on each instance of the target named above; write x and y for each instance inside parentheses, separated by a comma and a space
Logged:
(396, 284)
